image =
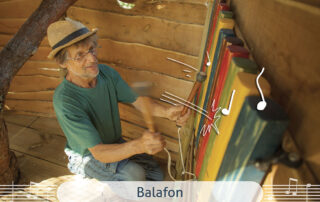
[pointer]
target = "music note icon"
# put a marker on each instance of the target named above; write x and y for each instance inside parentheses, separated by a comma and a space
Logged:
(294, 193)
(225, 111)
(208, 62)
(307, 191)
(262, 104)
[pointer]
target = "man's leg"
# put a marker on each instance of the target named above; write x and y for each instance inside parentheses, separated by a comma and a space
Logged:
(152, 169)
(138, 168)
(124, 170)
(130, 171)
(89, 167)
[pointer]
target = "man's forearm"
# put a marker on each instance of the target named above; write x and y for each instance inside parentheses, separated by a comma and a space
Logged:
(109, 153)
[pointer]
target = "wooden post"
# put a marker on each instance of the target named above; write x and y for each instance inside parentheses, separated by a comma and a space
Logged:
(12, 57)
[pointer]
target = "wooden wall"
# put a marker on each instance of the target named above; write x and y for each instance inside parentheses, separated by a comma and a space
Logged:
(135, 42)
(283, 36)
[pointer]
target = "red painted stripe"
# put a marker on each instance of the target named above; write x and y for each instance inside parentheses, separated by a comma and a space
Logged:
(220, 7)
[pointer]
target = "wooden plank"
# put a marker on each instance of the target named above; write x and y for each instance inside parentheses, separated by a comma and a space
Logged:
(47, 125)
(14, 129)
(40, 96)
(183, 12)
(133, 132)
(45, 68)
(144, 57)
(31, 107)
(36, 170)
(31, 83)
(41, 54)
(10, 26)
(18, 8)
(23, 120)
(4, 39)
(184, 38)
(43, 146)
(130, 114)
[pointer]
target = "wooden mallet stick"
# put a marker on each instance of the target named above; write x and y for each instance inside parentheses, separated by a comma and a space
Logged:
(143, 89)
(201, 77)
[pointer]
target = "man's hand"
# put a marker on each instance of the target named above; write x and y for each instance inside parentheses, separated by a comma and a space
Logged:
(173, 113)
(152, 143)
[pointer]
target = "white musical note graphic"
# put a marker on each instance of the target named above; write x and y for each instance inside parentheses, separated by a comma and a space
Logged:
(208, 62)
(262, 104)
(307, 189)
(294, 193)
(225, 111)
(291, 192)
(27, 192)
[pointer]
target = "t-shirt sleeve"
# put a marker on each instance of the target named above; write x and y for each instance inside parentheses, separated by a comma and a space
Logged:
(77, 127)
(124, 91)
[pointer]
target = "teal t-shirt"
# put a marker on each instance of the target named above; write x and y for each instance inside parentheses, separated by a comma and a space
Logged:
(89, 116)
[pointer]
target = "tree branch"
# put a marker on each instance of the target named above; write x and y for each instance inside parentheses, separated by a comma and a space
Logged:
(26, 41)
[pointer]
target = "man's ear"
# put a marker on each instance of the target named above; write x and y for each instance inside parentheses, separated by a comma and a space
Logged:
(63, 65)
(63, 70)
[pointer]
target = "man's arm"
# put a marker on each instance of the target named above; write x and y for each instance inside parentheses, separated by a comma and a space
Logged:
(172, 113)
(150, 143)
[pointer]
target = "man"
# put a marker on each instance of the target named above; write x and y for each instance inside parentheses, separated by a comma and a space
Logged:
(86, 105)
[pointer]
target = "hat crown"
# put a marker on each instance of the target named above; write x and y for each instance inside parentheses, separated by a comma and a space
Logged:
(57, 31)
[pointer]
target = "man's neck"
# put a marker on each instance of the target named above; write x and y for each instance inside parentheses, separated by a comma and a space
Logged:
(80, 81)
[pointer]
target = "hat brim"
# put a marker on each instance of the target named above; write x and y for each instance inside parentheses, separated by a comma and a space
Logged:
(56, 50)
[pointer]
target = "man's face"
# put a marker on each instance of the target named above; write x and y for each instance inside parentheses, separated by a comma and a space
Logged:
(82, 60)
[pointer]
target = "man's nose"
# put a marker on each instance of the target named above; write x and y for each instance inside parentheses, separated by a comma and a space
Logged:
(92, 57)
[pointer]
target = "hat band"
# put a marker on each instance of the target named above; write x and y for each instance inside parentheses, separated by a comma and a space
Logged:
(70, 37)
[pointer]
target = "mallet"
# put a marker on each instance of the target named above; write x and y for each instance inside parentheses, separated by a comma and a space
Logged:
(201, 77)
(143, 89)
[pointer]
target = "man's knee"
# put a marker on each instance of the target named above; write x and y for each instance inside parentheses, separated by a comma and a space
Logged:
(132, 172)
(156, 174)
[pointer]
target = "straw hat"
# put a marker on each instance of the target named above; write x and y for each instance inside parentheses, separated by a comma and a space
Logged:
(65, 33)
